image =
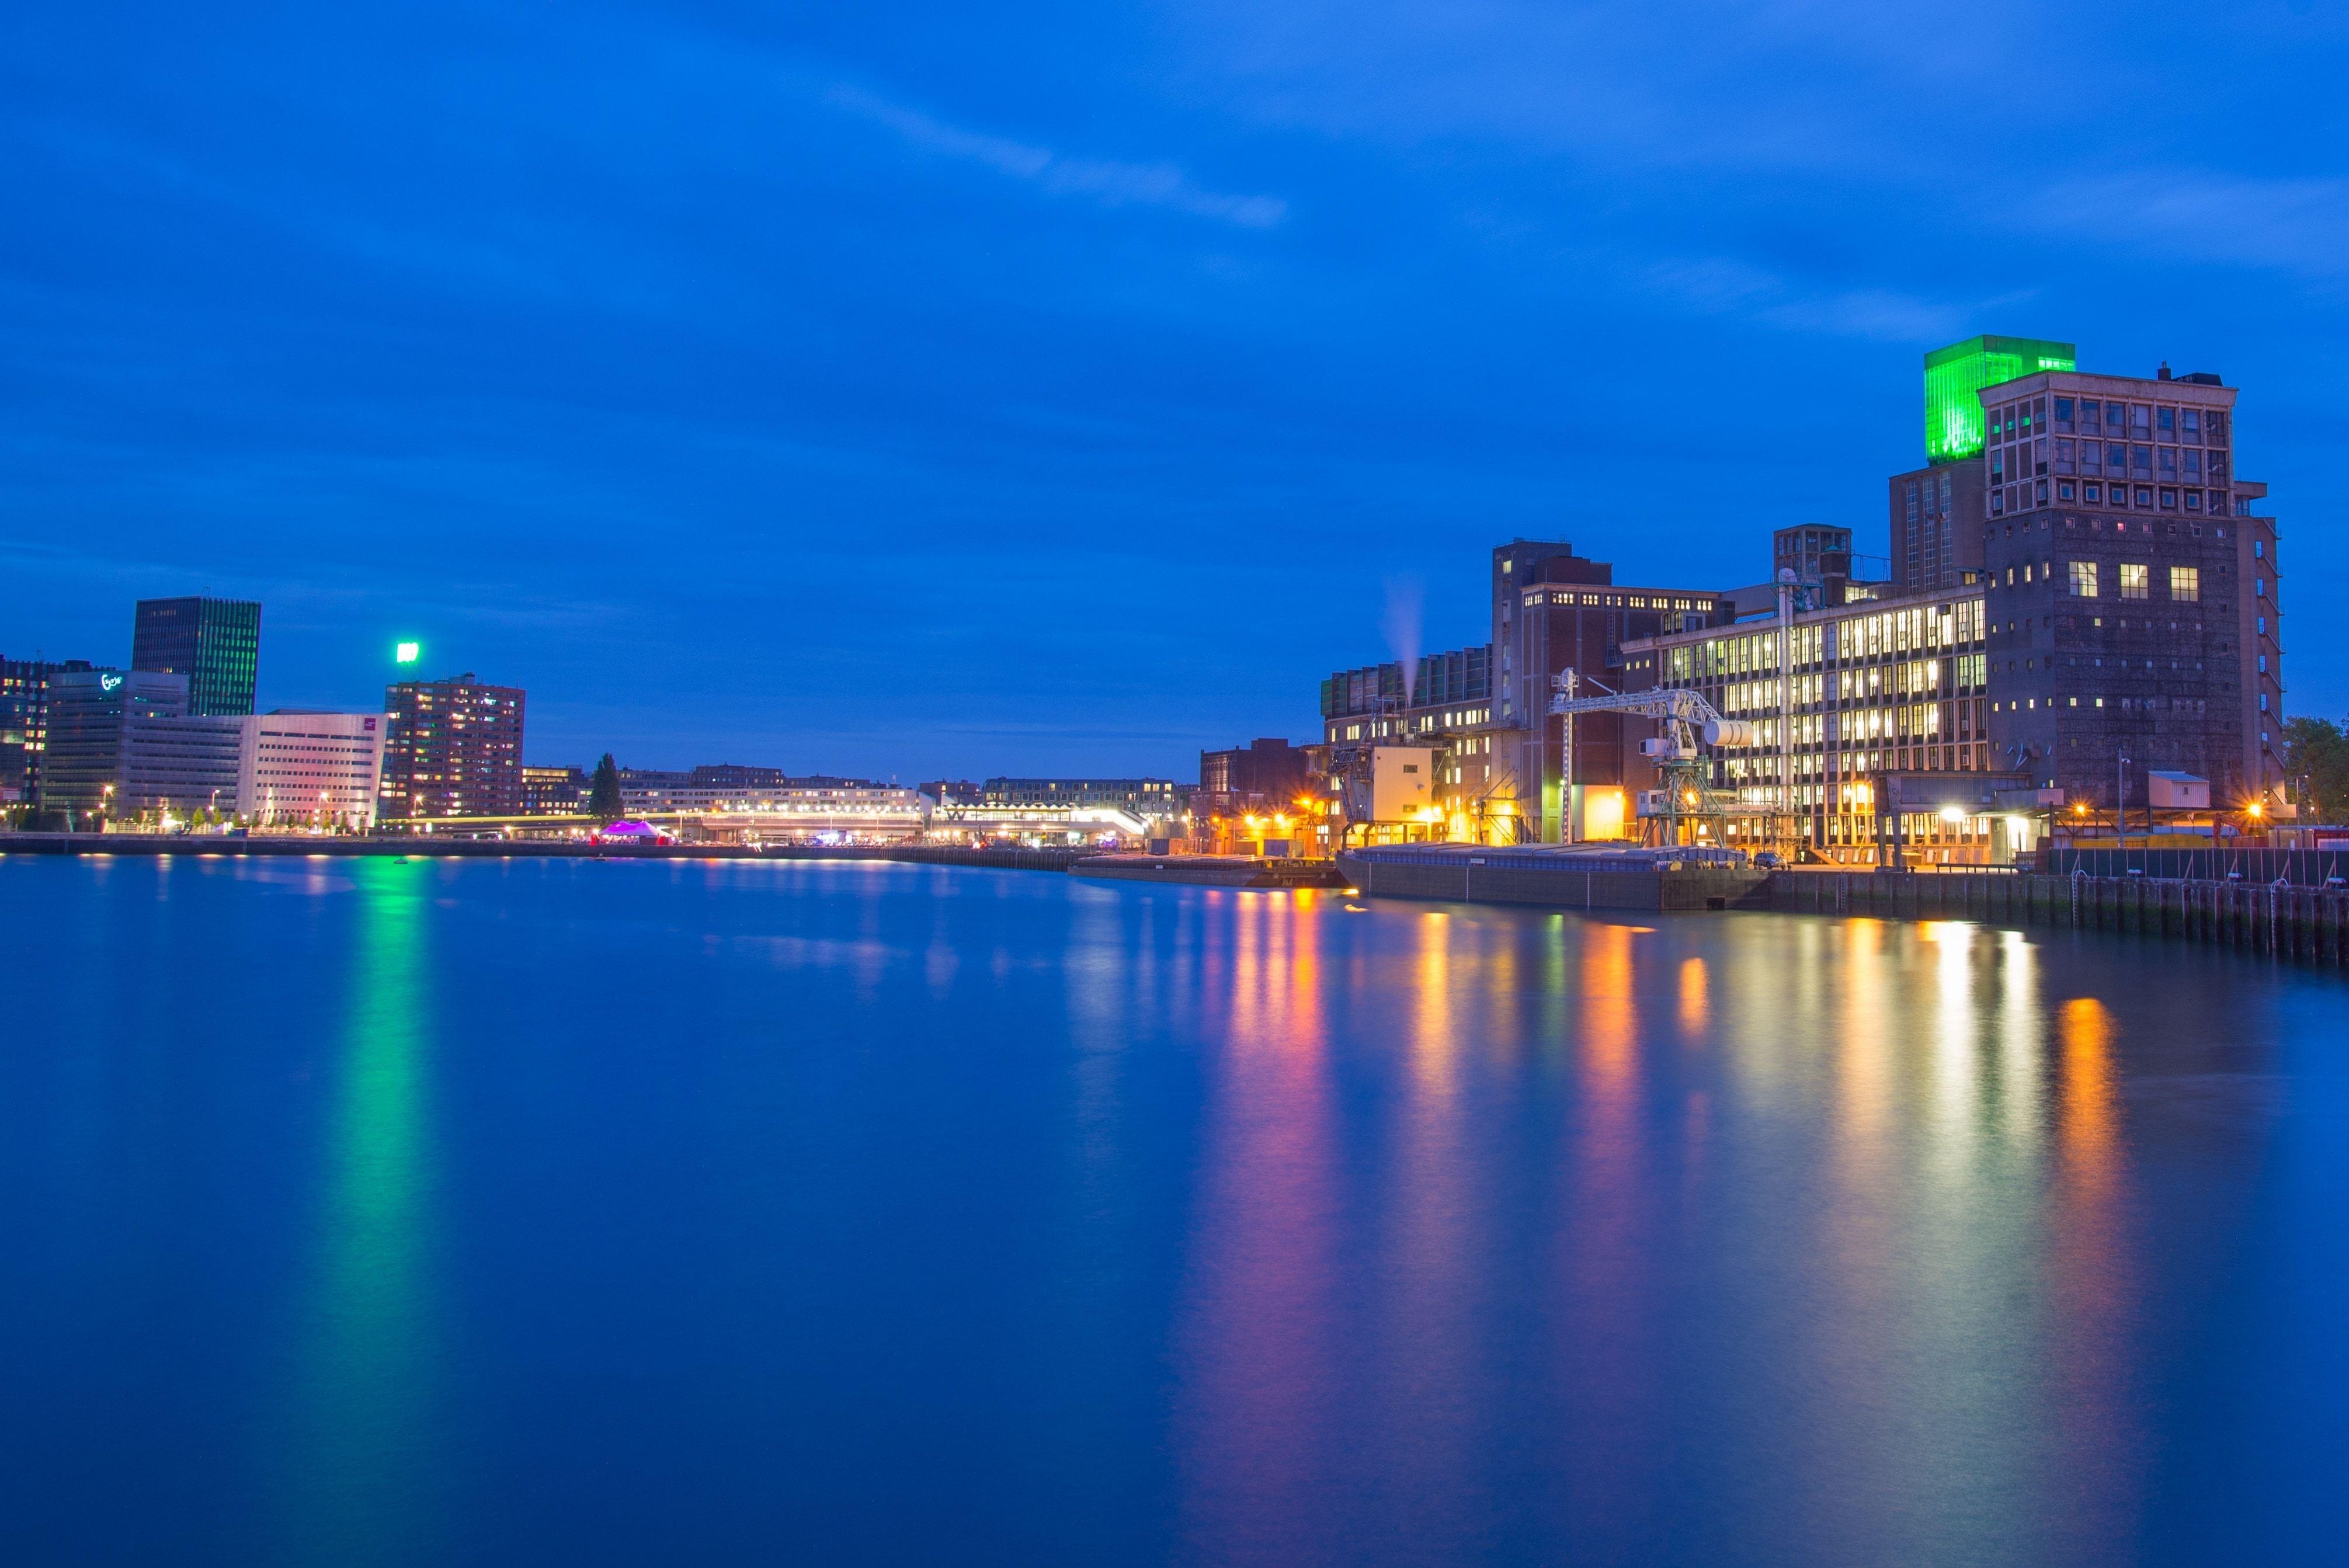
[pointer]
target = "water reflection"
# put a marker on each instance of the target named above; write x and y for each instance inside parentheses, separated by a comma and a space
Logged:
(1261, 1347)
(359, 1488)
(1917, 1144)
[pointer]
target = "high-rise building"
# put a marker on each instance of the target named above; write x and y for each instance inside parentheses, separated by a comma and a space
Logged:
(2134, 603)
(215, 643)
(25, 723)
(454, 750)
(81, 767)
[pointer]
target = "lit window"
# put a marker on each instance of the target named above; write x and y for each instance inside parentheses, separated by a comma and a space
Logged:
(2133, 580)
(2186, 583)
(2084, 578)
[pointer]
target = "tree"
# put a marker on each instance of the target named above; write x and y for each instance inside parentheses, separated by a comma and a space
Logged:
(603, 789)
(2316, 767)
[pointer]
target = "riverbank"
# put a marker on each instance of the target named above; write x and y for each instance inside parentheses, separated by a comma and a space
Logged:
(145, 844)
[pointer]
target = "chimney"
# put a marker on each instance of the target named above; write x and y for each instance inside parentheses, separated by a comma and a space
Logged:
(2162, 373)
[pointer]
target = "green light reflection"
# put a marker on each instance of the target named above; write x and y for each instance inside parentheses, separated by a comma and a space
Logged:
(361, 1474)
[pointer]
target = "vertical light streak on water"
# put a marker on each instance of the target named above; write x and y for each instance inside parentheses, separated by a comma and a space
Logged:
(1426, 1306)
(2017, 1033)
(1605, 1273)
(1256, 1335)
(2088, 1260)
(360, 1485)
(1696, 1001)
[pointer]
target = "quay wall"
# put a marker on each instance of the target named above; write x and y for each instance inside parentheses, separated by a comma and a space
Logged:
(2290, 921)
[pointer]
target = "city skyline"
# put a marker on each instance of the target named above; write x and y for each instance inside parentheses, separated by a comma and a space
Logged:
(803, 397)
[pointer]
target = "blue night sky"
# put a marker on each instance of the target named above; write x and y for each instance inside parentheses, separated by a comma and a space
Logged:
(955, 390)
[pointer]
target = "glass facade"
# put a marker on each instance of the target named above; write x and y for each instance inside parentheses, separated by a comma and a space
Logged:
(215, 643)
(1954, 374)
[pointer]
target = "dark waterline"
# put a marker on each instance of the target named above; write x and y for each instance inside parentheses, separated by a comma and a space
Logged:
(522, 1211)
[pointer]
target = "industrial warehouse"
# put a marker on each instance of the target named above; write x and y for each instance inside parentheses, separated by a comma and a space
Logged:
(2078, 637)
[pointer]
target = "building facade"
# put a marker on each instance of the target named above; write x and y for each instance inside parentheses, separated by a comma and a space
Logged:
(24, 724)
(81, 765)
(454, 750)
(1567, 612)
(293, 767)
(2134, 601)
(215, 643)
(554, 791)
(1937, 543)
(1869, 689)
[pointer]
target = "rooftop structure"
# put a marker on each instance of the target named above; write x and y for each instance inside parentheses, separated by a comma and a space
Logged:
(1954, 377)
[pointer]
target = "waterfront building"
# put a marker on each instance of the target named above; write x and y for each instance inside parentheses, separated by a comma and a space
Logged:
(453, 749)
(1567, 612)
(81, 763)
(554, 791)
(743, 780)
(1148, 800)
(1448, 709)
(181, 769)
(2134, 602)
(24, 724)
(215, 643)
(1248, 795)
(295, 767)
(1878, 688)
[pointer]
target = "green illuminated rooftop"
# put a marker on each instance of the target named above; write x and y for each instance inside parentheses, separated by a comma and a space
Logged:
(1953, 416)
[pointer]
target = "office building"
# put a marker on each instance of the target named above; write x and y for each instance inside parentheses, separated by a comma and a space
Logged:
(24, 724)
(183, 769)
(292, 767)
(2134, 600)
(1878, 688)
(454, 750)
(322, 769)
(81, 763)
(215, 643)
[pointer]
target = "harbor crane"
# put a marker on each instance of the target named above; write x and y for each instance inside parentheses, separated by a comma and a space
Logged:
(1686, 794)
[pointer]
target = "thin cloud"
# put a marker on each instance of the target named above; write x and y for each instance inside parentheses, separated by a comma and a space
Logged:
(1111, 183)
(2291, 225)
(1723, 286)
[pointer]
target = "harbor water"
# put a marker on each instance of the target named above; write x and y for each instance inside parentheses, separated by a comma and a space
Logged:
(367, 1211)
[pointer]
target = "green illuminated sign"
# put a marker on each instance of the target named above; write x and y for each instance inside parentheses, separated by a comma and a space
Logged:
(405, 653)
(1953, 416)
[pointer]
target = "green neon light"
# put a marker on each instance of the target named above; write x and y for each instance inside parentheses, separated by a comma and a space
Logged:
(1953, 416)
(405, 653)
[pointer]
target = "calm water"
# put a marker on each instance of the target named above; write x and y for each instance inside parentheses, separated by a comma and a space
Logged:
(366, 1212)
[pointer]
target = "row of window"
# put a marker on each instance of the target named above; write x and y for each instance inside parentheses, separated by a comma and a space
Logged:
(2135, 578)
(2147, 498)
(2022, 419)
